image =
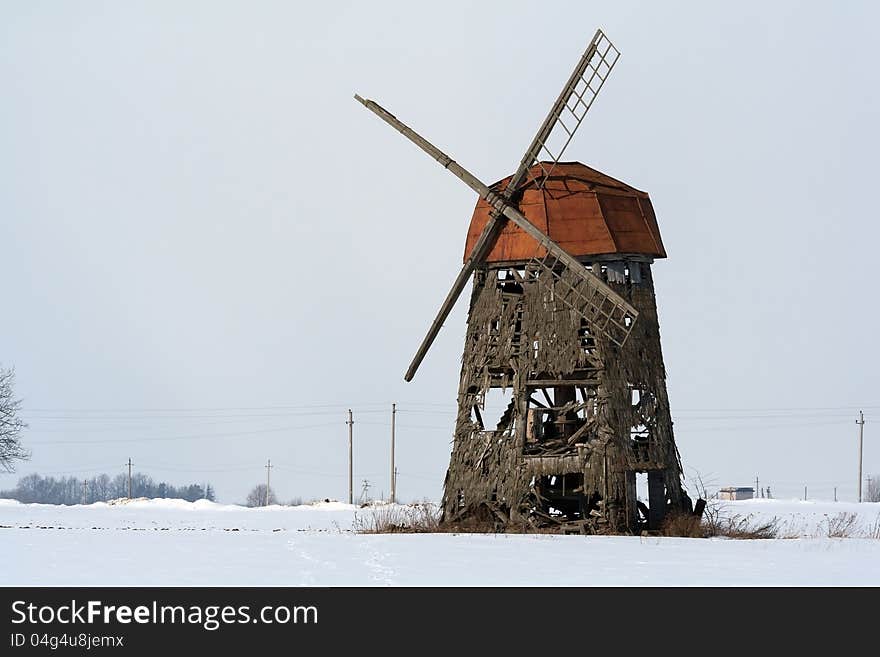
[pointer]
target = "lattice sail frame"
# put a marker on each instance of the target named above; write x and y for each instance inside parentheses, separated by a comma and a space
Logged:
(580, 92)
(578, 291)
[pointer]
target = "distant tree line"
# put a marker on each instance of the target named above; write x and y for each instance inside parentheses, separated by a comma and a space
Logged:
(35, 488)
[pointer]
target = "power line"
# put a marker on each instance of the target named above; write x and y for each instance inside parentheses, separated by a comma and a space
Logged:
(145, 409)
(86, 470)
(152, 418)
(231, 434)
(759, 428)
(164, 468)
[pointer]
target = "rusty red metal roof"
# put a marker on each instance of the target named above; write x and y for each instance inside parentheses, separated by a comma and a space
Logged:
(583, 210)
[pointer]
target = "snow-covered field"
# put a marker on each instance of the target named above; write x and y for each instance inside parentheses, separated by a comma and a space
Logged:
(171, 542)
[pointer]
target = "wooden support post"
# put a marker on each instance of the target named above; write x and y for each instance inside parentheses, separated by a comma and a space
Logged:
(656, 499)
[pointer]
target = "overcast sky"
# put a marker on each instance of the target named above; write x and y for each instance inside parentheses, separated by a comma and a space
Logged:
(210, 251)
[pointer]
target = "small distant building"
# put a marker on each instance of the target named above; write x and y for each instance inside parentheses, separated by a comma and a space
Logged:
(736, 493)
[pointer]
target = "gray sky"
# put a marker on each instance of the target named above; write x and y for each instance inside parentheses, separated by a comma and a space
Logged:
(210, 250)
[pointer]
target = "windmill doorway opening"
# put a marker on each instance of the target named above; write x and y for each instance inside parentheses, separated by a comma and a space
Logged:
(563, 496)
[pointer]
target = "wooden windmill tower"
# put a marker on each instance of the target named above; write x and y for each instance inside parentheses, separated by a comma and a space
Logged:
(563, 319)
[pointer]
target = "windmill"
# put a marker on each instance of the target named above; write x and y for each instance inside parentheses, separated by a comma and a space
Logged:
(563, 325)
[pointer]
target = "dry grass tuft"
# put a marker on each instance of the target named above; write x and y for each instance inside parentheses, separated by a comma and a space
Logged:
(393, 519)
(685, 525)
(425, 519)
(714, 524)
(746, 527)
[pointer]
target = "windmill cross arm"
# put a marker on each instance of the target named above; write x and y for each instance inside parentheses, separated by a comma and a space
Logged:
(478, 253)
(502, 208)
(446, 162)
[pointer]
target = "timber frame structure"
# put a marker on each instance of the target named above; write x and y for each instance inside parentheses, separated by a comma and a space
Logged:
(584, 417)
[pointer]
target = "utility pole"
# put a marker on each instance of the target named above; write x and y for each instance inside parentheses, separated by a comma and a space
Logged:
(835, 493)
(393, 471)
(861, 423)
(85, 485)
(350, 424)
(129, 477)
(805, 493)
(365, 492)
(756, 486)
(268, 470)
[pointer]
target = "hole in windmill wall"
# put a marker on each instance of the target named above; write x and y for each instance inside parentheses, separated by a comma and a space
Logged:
(635, 272)
(616, 272)
(640, 442)
(636, 396)
(590, 402)
(642, 486)
(495, 404)
(586, 339)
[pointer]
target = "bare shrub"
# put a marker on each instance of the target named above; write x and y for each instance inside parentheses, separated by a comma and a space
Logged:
(842, 525)
(11, 424)
(257, 496)
(713, 517)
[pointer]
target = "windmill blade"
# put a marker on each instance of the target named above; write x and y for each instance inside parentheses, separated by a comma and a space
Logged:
(592, 294)
(569, 110)
(478, 254)
(481, 248)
